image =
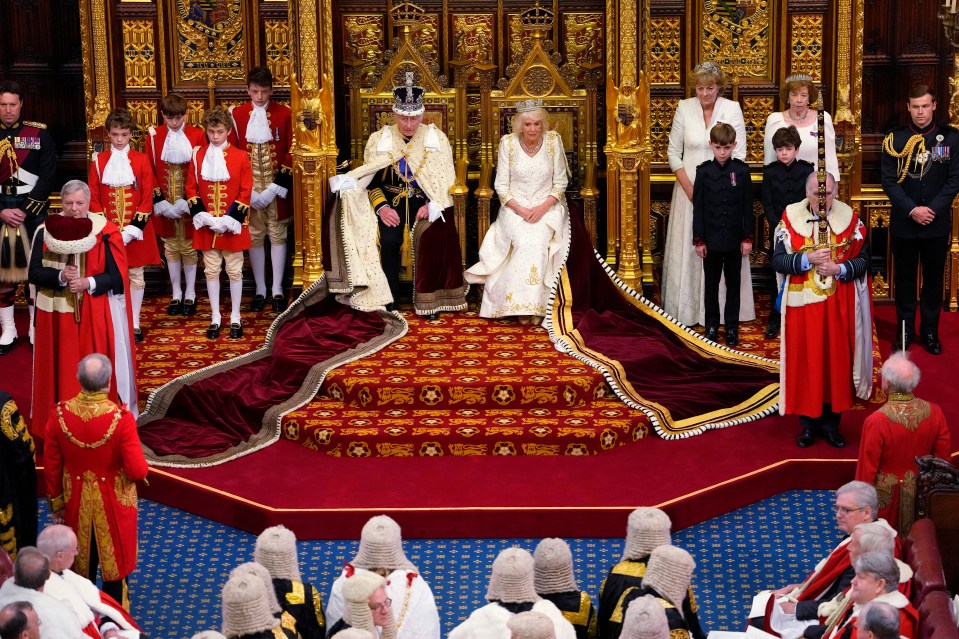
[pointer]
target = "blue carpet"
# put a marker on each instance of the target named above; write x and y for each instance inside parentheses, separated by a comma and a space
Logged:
(184, 561)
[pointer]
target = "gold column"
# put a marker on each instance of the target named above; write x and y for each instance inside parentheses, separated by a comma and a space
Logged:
(460, 190)
(314, 137)
(484, 191)
(589, 192)
(96, 69)
(951, 22)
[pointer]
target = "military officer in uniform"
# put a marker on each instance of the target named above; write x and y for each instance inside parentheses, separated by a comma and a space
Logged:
(920, 174)
(28, 166)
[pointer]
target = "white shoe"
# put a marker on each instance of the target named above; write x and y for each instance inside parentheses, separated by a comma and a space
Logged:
(8, 336)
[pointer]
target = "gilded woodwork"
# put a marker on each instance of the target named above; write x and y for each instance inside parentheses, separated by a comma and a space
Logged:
(474, 129)
(144, 113)
(278, 52)
(583, 40)
(364, 41)
(738, 36)
(474, 38)
(194, 111)
(950, 22)
(627, 42)
(665, 50)
(96, 69)
(211, 40)
(139, 54)
(755, 111)
(658, 215)
(427, 35)
(807, 45)
(661, 112)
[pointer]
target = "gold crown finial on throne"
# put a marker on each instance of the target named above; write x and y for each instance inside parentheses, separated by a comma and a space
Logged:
(536, 19)
(407, 14)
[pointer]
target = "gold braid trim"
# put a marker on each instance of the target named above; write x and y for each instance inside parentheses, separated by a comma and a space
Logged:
(915, 143)
(103, 440)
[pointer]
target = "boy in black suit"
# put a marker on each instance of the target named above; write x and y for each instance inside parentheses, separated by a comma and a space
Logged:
(784, 183)
(722, 228)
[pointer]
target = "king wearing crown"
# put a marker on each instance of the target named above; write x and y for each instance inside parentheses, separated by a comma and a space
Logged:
(405, 183)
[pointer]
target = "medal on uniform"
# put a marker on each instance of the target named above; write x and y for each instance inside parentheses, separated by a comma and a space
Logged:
(732, 179)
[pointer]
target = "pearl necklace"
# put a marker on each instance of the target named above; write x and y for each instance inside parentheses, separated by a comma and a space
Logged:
(798, 120)
(531, 150)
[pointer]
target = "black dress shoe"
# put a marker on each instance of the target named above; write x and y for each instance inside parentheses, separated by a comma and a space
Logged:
(805, 439)
(433, 316)
(137, 335)
(6, 348)
(279, 303)
(391, 307)
(175, 307)
(258, 303)
(712, 334)
(732, 337)
(236, 331)
(189, 308)
(931, 341)
(899, 345)
(772, 329)
(834, 439)
(213, 332)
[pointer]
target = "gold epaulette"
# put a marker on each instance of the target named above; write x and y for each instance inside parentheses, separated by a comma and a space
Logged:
(39, 125)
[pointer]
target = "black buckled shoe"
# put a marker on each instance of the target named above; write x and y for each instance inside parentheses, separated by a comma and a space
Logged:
(175, 307)
(6, 348)
(732, 337)
(834, 439)
(712, 333)
(236, 330)
(213, 332)
(772, 328)
(931, 341)
(138, 335)
(258, 303)
(189, 307)
(805, 439)
(279, 303)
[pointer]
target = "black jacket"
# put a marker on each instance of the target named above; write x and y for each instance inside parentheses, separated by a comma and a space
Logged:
(722, 205)
(783, 185)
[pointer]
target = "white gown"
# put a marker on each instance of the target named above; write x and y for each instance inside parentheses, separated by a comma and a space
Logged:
(809, 145)
(682, 283)
(519, 261)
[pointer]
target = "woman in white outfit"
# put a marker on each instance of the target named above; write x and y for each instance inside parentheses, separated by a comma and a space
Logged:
(682, 283)
(798, 95)
(525, 247)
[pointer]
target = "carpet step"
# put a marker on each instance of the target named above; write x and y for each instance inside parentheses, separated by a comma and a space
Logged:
(332, 427)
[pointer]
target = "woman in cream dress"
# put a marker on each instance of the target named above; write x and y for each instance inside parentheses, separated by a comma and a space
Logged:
(798, 94)
(682, 283)
(525, 247)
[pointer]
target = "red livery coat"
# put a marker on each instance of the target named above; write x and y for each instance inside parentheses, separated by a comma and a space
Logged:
(92, 459)
(154, 149)
(219, 197)
(280, 120)
(126, 205)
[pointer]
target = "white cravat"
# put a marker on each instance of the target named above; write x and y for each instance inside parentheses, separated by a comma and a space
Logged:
(258, 129)
(177, 148)
(118, 171)
(214, 166)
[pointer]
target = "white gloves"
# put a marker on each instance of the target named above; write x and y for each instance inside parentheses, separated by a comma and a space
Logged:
(278, 190)
(227, 224)
(255, 202)
(262, 199)
(202, 219)
(436, 212)
(342, 183)
(181, 207)
(163, 209)
(131, 233)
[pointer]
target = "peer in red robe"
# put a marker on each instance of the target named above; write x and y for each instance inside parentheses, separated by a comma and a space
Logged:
(71, 325)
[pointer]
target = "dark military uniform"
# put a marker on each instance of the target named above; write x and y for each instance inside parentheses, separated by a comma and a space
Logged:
(18, 480)
(395, 187)
(577, 608)
(28, 167)
(929, 176)
(722, 220)
(302, 602)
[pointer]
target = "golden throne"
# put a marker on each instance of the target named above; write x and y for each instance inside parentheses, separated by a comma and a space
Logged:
(371, 100)
(535, 73)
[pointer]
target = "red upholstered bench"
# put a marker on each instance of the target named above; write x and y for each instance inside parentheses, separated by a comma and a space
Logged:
(935, 617)
(922, 554)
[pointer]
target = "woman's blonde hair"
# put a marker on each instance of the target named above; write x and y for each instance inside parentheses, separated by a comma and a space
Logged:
(538, 114)
(791, 85)
(707, 73)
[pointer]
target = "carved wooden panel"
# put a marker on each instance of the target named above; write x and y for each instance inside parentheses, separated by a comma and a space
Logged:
(474, 39)
(583, 39)
(139, 54)
(807, 45)
(145, 114)
(755, 111)
(665, 49)
(211, 39)
(278, 56)
(364, 40)
(661, 112)
(739, 36)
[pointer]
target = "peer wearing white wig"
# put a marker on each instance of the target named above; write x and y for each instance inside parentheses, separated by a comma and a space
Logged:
(276, 551)
(246, 610)
(554, 580)
(367, 605)
(667, 579)
(646, 530)
(287, 621)
(645, 619)
(511, 591)
(381, 551)
(531, 625)
(208, 634)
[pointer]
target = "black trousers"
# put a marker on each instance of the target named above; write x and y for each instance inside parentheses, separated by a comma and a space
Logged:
(716, 264)
(909, 254)
(391, 243)
(116, 589)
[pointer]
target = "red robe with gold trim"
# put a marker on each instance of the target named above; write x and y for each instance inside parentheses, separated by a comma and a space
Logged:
(231, 197)
(126, 205)
(61, 342)
(280, 119)
(155, 142)
(92, 459)
(892, 438)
